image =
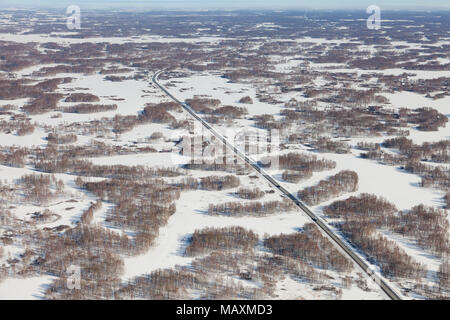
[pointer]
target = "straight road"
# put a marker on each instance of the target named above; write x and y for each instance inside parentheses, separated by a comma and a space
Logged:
(323, 226)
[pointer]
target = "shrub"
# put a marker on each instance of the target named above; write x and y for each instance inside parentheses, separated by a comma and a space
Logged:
(25, 129)
(246, 100)
(156, 135)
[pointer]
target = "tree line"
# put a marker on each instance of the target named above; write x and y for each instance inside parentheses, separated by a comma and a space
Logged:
(211, 183)
(257, 209)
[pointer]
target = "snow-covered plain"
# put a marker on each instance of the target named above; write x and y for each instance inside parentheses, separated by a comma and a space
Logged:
(395, 185)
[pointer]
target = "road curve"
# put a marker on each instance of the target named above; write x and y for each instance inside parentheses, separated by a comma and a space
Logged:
(336, 239)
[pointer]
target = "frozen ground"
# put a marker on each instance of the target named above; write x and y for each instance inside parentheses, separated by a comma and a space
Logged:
(397, 186)
(24, 289)
(393, 184)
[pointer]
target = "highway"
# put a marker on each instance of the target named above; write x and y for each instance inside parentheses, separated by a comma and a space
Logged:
(322, 225)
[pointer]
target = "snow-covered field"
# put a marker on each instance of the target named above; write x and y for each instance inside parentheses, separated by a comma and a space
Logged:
(397, 186)
(168, 251)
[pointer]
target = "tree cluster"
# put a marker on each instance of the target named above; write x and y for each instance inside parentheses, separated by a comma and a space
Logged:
(447, 200)
(82, 97)
(25, 128)
(304, 162)
(429, 226)
(211, 183)
(250, 194)
(88, 215)
(368, 146)
(435, 151)
(360, 217)
(258, 209)
(142, 207)
(224, 239)
(90, 108)
(334, 186)
(432, 176)
(393, 261)
(230, 112)
(38, 188)
(44, 103)
(225, 166)
(365, 207)
(296, 176)
(246, 100)
(311, 247)
(203, 105)
(14, 157)
(54, 138)
(327, 145)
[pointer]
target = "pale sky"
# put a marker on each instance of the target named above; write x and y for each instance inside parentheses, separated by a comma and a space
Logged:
(198, 4)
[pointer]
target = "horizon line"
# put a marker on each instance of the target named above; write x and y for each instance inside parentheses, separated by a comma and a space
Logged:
(223, 8)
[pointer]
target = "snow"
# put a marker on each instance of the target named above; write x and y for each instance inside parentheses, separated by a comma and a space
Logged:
(420, 137)
(414, 100)
(60, 39)
(24, 288)
(415, 74)
(159, 159)
(291, 289)
(192, 215)
(219, 88)
(35, 139)
(395, 185)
